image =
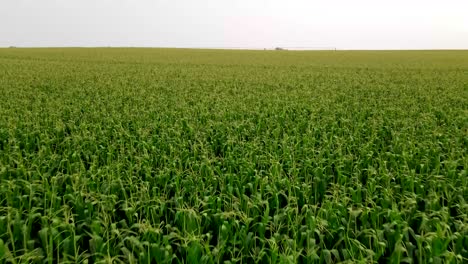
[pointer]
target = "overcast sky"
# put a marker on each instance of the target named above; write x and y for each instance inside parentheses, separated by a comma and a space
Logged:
(344, 24)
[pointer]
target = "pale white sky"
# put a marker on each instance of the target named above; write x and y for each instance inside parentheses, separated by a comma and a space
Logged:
(344, 24)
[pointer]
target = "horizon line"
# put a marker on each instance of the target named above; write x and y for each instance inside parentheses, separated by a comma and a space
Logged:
(283, 48)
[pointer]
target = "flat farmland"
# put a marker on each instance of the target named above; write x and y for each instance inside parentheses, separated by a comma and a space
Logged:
(129, 155)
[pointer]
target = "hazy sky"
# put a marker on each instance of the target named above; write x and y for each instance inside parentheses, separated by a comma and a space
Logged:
(344, 24)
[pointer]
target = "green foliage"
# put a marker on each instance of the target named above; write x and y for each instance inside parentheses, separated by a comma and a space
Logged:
(208, 156)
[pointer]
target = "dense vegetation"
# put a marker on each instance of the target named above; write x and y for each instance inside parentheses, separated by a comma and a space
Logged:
(186, 156)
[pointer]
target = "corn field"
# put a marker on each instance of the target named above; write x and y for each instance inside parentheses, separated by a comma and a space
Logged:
(215, 156)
